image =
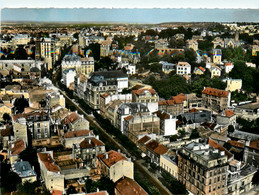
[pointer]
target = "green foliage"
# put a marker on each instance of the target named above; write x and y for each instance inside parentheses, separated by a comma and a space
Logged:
(205, 45)
(247, 74)
(231, 129)
(104, 63)
(9, 180)
(239, 96)
(123, 41)
(249, 126)
(95, 48)
(75, 35)
(176, 43)
(71, 190)
(27, 188)
(156, 67)
(255, 180)
(102, 184)
(173, 184)
(168, 87)
(195, 134)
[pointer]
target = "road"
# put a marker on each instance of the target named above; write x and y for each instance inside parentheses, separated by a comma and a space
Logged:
(162, 189)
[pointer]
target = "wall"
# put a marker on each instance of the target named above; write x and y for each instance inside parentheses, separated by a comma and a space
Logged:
(120, 169)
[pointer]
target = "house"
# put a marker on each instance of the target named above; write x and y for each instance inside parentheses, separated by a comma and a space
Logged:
(142, 142)
(167, 123)
(140, 124)
(128, 109)
(215, 71)
(115, 165)
(81, 65)
(88, 149)
(215, 99)
(228, 67)
(192, 44)
(173, 106)
(104, 82)
(183, 68)
(233, 84)
(36, 123)
(68, 77)
(74, 122)
(127, 186)
(167, 67)
(75, 137)
(50, 172)
(154, 151)
(14, 149)
(24, 170)
(199, 70)
(146, 96)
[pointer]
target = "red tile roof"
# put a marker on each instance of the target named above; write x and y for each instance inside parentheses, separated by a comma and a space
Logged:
(254, 144)
(228, 64)
(128, 117)
(202, 69)
(162, 115)
(113, 158)
(78, 133)
(144, 139)
(216, 145)
(156, 147)
(141, 91)
(193, 110)
(7, 132)
(105, 95)
(57, 192)
(128, 186)
(19, 146)
(48, 162)
(235, 143)
(91, 143)
(179, 98)
(166, 102)
(97, 193)
(215, 92)
(70, 118)
(229, 113)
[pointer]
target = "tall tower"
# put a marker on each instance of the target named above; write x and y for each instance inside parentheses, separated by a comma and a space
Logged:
(37, 47)
(236, 36)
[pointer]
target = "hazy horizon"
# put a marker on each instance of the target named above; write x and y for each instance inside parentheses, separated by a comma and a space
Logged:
(124, 15)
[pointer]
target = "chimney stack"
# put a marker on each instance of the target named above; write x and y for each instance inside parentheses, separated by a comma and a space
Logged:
(106, 155)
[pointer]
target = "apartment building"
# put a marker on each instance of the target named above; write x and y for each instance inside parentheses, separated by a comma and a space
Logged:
(203, 169)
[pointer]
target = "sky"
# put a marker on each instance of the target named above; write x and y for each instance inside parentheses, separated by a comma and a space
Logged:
(254, 4)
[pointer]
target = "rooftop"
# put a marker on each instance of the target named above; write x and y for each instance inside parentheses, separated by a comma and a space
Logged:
(48, 162)
(91, 143)
(23, 169)
(144, 139)
(113, 157)
(18, 147)
(78, 133)
(156, 147)
(215, 92)
(128, 186)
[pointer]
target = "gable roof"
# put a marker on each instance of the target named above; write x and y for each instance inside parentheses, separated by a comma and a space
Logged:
(161, 114)
(91, 143)
(144, 139)
(19, 146)
(72, 117)
(156, 147)
(141, 91)
(113, 157)
(236, 143)
(215, 92)
(78, 133)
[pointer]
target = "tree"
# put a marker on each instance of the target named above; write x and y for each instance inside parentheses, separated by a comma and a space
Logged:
(27, 188)
(71, 190)
(195, 134)
(6, 117)
(20, 104)
(255, 180)
(231, 129)
(10, 181)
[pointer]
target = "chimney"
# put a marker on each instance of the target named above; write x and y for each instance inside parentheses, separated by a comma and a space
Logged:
(97, 190)
(89, 141)
(119, 150)
(106, 155)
